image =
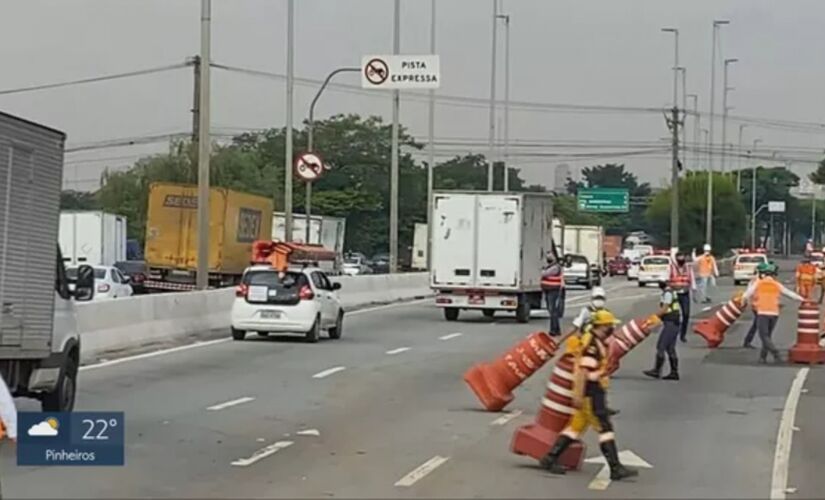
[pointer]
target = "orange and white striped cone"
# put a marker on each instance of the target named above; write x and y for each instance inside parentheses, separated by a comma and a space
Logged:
(807, 348)
(713, 329)
(626, 339)
(536, 439)
(493, 383)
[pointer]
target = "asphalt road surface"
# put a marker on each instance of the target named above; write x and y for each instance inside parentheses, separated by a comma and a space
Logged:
(384, 413)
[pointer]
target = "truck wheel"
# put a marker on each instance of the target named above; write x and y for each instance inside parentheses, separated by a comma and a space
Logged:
(336, 331)
(642, 284)
(314, 333)
(489, 313)
(63, 396)
(523, 311)
(238, 334)
(451, 313)
(588, 285)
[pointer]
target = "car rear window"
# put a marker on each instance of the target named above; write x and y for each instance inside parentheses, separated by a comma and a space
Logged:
(71, 273)
(273, 280)
(578, 259)
(751, 259)
(131, 267)
(656, 261)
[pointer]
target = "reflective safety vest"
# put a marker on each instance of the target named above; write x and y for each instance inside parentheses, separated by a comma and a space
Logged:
(679, 278)
(577, 345)
(673, 309)
(806, 272)
(767, 295)
(705, 265)
(552, 281)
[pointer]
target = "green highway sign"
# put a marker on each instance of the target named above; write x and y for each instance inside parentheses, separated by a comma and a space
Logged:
(616, 200)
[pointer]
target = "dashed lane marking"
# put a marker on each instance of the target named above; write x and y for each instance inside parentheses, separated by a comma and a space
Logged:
(229, 404)
(421, 471)
(393, 352)
(329, 371)
(450, 336)
(502, 420)
(263, 453)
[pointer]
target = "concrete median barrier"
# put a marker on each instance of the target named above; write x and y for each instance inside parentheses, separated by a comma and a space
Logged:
(123, 324)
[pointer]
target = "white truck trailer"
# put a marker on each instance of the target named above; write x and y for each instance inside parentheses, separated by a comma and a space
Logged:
(488, 251)
(39, 340)
(92, 237)
(323, 230)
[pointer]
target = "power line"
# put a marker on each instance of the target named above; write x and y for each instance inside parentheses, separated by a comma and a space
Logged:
(115, 76)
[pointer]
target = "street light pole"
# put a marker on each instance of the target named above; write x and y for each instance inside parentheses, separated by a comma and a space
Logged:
(709, 215)
(696, 126)
(739, 160)
(753, 193)
(675, 63)
(492, 126)
(290, 87)
(684, 115)
(204, 148)
(674, 169)
(311, 142)
(396, 101)
(506, 18)
(431, 146)
(728, 62)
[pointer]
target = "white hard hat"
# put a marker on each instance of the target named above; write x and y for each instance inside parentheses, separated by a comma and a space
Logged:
(707, 247)
(598, 292)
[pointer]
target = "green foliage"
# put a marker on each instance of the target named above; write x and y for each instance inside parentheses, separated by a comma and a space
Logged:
(78, 200)
(729, 220)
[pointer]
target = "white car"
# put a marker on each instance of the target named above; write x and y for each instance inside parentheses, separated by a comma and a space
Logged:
(745, 266)
(355, 265)
(110, 283)
(653, 269)
(633, 270)
(302, 301)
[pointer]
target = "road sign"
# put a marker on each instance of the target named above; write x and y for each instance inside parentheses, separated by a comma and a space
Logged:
(615, 200)
(309, 166)
(626, 457)
(400, 72)
(776, 206)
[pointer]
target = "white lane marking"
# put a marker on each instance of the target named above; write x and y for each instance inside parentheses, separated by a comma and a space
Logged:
(208, 343)
(502, 420)
(450, 336)
(229, 404)
(329, 371)
(421, 471)
(784, 437)
(602, 479)
(392, 352)
(309, 432)
(263, 453)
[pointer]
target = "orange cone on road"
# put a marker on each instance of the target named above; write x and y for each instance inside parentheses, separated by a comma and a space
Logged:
(535, 440)
(713, 329)
(807, 348)
(493, 383)
(631, 335)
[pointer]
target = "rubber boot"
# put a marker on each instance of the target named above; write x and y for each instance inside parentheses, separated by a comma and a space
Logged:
(551, 460)
(656, 372)
(674, 369)
(617, 470)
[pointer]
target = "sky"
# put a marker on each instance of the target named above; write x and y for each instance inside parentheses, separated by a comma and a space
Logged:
(586, 52)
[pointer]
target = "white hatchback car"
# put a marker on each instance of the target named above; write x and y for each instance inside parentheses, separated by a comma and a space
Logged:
(110, 283)
(745, 266)
(302, 301)
(653, 269)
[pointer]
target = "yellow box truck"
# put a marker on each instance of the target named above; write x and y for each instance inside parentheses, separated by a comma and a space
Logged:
(235, 220)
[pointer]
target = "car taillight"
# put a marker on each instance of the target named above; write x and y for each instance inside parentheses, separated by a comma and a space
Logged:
(140, 278)
(306, 293)
(103, 288)
(240, 290)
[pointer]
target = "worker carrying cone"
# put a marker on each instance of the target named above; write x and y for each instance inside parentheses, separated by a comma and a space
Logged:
(713, 329)
(806, 278)
(589, 396)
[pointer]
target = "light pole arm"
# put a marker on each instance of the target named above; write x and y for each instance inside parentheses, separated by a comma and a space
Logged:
(310, 125)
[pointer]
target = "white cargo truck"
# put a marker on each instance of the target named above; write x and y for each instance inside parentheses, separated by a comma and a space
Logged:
(488, 251)
(418, 261)
(92, 237)
(324, 230)
(39, 340)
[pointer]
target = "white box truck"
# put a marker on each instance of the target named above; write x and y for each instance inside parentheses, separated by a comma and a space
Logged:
(586, 241)
(488, 251)
(92, 237)
(324, 230)
(39, 340)
(418, 261)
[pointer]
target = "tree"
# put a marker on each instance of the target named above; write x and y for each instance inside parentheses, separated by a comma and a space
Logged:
(818, 176)
(774, 184)
(729, 219)
(612, 175)
(78, 200)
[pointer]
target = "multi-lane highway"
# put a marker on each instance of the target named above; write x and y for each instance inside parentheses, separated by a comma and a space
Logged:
(384, 413)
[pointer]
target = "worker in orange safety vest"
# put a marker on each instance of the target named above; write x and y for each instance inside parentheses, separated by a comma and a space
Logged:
(748, 343)
(682, 282)
(766, 292)
(806, 274)
(552, 284)
(707, 272)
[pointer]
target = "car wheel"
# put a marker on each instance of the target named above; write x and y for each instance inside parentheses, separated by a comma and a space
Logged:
(336, 331)
(238, 334)
(314, 333)
(451, 313)
(489, 313)
(523, 311)
(63, 396)
(642, 284)
(588, 285)
(263, 334)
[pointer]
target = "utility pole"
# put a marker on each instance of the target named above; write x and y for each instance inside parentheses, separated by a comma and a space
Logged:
(196, 98)
(684, 115)
(492, 132)
(202, 277)
(290, 87)
(396, 98)
(753, 193)
(709, 215)
(725, 110)
(674, 179)
(739, 160)
(506, 18)
(696, 139)
(431, 147)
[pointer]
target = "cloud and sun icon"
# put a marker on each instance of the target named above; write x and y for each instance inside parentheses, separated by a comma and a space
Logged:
(47, 427)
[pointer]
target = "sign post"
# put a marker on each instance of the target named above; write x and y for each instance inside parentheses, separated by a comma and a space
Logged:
(613, 200)
(309, 167)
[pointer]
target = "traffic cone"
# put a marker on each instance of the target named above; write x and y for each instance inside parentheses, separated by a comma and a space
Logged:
(807, 348)
(631, 335)
(713, 329)
(536, 439)
(493, 383)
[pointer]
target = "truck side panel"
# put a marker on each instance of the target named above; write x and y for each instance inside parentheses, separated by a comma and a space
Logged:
(453, 260)
(31, 159)
(538, 236)
(247, 218)
(499, 220)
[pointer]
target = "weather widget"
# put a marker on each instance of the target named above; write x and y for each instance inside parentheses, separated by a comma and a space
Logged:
(74, 439)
